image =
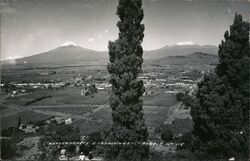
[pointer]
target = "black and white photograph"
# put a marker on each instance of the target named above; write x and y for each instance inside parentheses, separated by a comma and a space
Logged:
(124, 80)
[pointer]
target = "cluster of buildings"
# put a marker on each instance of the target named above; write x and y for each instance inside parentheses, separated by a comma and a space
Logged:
(100, 82)
(36, 85)
(60, 120)
(172, 84)
(28, 128)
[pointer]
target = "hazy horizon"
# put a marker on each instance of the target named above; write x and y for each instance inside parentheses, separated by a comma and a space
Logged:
(32, 27)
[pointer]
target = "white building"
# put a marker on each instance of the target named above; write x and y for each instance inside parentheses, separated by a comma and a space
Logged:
(68, 121)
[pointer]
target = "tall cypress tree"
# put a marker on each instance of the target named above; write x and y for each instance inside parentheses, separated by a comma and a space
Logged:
(221, 112)
(125, 55)
(234, 61)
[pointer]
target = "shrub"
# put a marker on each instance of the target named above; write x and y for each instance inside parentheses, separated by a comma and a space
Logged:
(166, 134)
(8, 149)
(179, 96)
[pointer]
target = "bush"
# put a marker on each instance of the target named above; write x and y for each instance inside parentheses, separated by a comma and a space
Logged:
(186, 139)
(185, 154)
(185, 98)
(8, 149)
(8, 132)
(166, 134)
(179, 96)
(40, 123)
(94, 137)
(58, 133)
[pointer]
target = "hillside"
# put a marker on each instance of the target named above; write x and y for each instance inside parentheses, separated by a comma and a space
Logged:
(64, 55)
(197, 58)
(177, 50)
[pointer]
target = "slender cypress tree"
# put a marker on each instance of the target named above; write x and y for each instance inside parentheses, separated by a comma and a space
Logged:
(125, 55)
(221, 112)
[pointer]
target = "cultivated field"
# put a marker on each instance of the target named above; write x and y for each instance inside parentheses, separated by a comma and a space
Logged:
(26, 117)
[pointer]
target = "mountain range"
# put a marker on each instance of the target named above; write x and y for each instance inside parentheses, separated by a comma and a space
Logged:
(180, 50)
(70, 53)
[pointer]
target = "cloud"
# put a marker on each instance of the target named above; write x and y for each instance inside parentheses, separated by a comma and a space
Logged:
(12, 57)
(185, 43)
(90, 40)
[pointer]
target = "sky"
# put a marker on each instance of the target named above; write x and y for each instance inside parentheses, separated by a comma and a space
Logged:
(30, 27)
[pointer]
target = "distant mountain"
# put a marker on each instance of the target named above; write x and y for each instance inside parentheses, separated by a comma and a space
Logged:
(70, 53)
(177, 50)
(197, 58)
(65, 54)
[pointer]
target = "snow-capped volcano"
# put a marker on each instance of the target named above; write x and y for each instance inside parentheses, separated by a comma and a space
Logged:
(68, 43)
(66, 54)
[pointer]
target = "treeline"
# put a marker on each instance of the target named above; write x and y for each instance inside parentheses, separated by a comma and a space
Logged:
(36, 100)
(185, 98)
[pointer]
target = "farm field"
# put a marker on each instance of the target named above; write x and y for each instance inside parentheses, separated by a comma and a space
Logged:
(63, 101)
(154, 117)
(73, 96)
(159, 98)
(26, 117)
(74, 110)
(59, 97)
(27, 73)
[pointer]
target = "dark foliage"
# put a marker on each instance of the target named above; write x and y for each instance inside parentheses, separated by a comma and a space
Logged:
(58, 133)
(179, 96)
(221, 111)
(187, 140)
(92, 141)
(36, 100)
(8, 132)
(19, 122)
(166, 134)
(185, 98)
(8, 149)
(11, 137)
(125, 56)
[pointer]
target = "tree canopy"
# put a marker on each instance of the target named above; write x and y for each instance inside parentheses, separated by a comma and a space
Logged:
(221, 110)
